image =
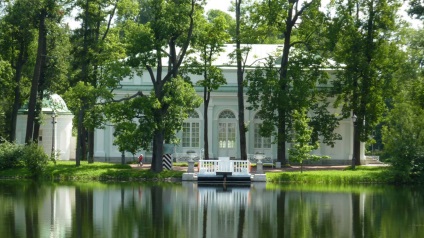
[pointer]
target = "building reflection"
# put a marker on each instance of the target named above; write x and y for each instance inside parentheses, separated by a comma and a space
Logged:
(193, 210)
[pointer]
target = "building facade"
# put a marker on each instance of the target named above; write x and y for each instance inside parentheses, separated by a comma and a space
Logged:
(223, 133)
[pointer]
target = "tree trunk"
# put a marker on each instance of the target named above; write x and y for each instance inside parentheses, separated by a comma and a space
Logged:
(240, 91)
(17, 101)
(356, 160)
(90, 158)
(36, 134)
(36, 77)
(284, 84)
(205, 126)
(157, 151)
(281, 140)
(41, 85)
(79, 151)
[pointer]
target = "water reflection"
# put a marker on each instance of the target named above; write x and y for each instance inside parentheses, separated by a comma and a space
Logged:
(192, 210)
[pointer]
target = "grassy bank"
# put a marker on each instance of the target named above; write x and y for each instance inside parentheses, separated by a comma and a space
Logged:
(360, 175)
(99, 171)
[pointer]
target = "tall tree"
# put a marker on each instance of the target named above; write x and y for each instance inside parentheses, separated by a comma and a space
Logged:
(402, 132)
(47, 13)
(157, 42)
(240, 81)
(208, 42)
(96, 53)
(289, 80)
(364, 52)
(17, 34)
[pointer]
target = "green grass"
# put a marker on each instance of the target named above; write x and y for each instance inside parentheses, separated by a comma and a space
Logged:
(360, 175)
(98, 171)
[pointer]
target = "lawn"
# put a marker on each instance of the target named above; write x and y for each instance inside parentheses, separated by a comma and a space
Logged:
(362, 174)
(98, 171)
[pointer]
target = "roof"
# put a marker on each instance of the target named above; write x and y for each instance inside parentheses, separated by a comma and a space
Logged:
(53, 102)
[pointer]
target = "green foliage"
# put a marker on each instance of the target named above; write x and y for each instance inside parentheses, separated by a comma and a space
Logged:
(35, 159)
(229, 21)
(367, 51)
(266, 94)
(6, 84)
(153, 36)
(302, 144)
(10, 155)
(403, 138)
(416, 9)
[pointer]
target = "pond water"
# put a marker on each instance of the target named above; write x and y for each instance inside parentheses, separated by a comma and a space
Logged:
(29, 209)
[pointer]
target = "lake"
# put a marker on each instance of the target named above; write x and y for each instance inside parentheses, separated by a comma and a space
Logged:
(30, 209)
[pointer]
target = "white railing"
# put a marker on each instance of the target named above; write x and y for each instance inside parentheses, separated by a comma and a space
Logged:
(236, 167)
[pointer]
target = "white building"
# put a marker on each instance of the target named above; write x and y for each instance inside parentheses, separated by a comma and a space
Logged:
(223, 122)
(56, 128)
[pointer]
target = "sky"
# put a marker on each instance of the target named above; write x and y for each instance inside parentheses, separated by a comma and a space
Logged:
(222, 5)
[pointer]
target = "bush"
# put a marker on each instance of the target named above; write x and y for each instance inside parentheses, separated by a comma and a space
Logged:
(35, 159)
(403, 138)
(10, 155)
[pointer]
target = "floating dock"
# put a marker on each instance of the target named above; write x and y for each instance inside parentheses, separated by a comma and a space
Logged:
(223, 170)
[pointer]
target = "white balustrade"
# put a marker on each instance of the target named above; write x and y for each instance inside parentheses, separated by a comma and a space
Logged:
(236, 167)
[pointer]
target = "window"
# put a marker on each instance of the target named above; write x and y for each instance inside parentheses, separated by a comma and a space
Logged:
(227, 130)
(191, 131)
(260, 142)
(226, 114)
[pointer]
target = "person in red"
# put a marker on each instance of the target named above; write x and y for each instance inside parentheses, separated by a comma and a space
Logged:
(140, 160)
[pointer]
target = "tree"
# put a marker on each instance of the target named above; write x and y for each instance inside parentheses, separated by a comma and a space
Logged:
(208, 39)
(157, 39)
(97, 64)
(364, 51)
(302, 141)
(416, 9)
(404, 142)
(228, 19)
(6, 82)
(17, 34)
(403, 126)
(289, 81)
(240, 79)
(46, 15)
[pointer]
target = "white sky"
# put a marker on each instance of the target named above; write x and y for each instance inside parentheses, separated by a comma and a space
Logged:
(222, 5)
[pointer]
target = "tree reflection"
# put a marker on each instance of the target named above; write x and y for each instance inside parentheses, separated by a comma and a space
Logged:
(30, 210)
(83, 218)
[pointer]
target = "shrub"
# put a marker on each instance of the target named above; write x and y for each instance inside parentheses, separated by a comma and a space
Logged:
(35, 159)
(403, 138)
(10, 155)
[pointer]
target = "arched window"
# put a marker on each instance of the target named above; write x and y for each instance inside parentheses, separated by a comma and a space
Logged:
(260, 142)
(226, 114)
(193, 114)
(191, 131)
